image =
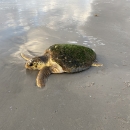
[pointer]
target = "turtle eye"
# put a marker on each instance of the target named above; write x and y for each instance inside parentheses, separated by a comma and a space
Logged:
(30, 63)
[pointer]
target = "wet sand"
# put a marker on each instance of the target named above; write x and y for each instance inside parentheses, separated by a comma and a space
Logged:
(96, 99)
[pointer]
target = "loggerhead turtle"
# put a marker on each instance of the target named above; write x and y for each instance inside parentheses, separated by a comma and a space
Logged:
(60, 58)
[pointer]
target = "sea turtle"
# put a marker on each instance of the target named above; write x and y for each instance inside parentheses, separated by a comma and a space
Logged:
(60, 58)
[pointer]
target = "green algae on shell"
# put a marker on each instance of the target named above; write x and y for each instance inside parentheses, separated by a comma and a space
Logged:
(70, 56)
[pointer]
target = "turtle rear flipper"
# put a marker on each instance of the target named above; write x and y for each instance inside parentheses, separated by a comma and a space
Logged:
(42, 76)
(96, 64)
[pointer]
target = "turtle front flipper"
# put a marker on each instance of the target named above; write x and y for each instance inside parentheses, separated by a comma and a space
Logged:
(25, 57)
(42, 76)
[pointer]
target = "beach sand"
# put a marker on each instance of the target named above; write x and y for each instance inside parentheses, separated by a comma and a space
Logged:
(96, 99)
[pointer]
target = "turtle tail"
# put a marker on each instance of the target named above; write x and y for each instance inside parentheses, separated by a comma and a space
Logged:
(97, 64)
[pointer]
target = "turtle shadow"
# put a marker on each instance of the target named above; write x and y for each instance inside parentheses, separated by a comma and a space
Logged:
(31, 73)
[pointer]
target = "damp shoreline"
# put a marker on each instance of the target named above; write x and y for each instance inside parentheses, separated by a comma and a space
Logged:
(97, 98)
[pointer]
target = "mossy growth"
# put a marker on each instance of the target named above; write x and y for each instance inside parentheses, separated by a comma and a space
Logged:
(72, 55)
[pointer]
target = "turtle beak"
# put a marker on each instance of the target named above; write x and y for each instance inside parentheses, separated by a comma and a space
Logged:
(24, 57)
(28, 65)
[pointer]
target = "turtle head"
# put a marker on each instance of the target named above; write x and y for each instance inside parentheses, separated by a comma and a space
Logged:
(35, 63)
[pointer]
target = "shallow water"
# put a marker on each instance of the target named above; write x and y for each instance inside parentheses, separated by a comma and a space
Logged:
(41, 21)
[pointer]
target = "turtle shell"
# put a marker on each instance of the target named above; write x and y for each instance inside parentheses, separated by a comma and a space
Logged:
(71, 57)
